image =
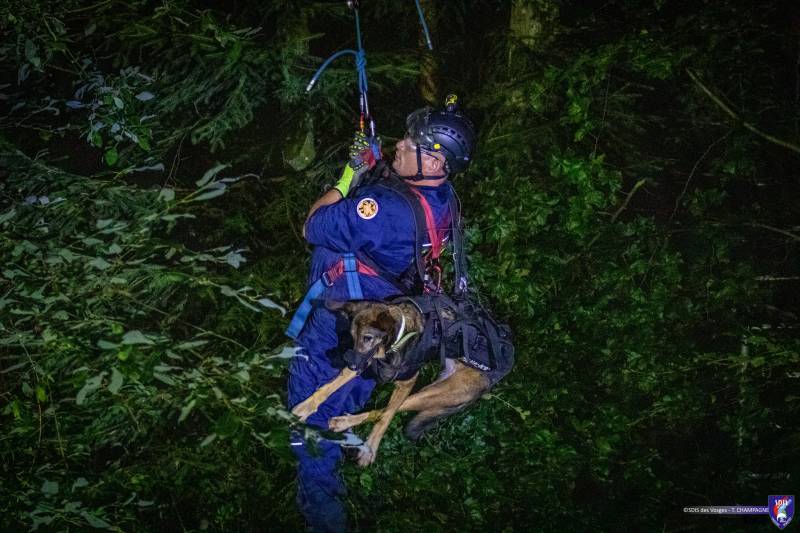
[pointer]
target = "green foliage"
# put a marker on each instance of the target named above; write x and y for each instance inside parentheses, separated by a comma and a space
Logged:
(640, 240)
(112, 114)
(109, 361)
(635, 333)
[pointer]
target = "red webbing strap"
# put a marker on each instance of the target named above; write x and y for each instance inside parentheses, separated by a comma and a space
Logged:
(366, 269)
(433, 232)
(337, 270)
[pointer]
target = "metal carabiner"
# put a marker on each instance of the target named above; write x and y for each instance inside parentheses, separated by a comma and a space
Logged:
(433, 278)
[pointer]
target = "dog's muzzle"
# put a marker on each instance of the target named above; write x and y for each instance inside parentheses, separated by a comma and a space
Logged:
(359, 362)
(382, 370)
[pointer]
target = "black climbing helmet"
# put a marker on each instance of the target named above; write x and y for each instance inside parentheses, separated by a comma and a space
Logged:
(447, 131)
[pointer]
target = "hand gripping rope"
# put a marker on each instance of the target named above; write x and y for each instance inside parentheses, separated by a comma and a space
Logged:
(361, 72)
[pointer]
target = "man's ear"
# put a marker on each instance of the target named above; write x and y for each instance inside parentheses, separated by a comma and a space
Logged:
(433, 166)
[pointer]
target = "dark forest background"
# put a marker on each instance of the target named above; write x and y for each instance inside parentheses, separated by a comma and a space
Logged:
(631, 211)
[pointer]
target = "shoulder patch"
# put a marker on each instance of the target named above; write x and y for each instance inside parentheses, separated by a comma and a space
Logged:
(367, 208)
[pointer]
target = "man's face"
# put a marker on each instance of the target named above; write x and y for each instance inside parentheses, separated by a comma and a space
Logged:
(405, 160)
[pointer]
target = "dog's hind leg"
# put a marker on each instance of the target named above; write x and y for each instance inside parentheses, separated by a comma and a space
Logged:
(443, 398)
(461, 387)
(424, 420)
(440, 393)
(457, 389)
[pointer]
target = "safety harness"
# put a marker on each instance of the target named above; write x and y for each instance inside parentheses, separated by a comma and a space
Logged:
(351, 264)
(454, 325)
(428, 268)
(348, 266)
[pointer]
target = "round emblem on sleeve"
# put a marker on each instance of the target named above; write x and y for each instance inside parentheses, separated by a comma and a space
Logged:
(367, 208)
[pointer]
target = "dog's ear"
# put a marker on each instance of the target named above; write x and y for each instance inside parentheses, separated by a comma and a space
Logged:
(334, 305)
(387, 323)
(350, 309)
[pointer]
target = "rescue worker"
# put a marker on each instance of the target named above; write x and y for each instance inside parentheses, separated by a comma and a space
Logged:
(361, 236)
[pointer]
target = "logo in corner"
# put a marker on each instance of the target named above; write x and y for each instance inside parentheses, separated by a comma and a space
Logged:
(781, 510)
(367, 208)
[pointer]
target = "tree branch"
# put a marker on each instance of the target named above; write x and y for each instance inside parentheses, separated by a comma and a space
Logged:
(789, 234)
(627, 199)
(691, 174)
(731, 113)
(621, 208)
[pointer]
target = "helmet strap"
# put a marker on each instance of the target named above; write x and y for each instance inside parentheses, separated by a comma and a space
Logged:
(420, 175)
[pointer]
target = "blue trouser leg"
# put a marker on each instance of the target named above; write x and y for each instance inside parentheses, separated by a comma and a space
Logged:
(320, 488)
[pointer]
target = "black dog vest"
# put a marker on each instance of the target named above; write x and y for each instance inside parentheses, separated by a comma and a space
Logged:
(456, 326)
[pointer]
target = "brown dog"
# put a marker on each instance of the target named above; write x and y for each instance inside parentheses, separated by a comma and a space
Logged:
(385, 331)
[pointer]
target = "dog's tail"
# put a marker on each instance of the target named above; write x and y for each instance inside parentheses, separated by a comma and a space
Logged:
(424, 420)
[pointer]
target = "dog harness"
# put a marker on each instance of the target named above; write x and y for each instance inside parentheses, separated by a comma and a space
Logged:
(458, 328)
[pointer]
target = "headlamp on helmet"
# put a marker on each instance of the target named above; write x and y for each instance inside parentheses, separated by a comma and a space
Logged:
(447, 131)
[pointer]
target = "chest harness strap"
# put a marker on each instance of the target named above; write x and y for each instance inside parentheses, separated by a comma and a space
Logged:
(435, 236)
(349, 267)
(430, 271)
(425, 226)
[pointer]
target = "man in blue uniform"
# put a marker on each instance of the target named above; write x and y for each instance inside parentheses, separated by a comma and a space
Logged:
(362, 236)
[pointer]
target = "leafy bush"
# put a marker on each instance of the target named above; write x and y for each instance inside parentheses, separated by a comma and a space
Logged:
(120, 398)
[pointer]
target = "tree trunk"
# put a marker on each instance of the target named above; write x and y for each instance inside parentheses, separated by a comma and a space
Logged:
(532, 24)
(297, 148)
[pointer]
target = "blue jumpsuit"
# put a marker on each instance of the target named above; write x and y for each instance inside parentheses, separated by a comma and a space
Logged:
(376, 222)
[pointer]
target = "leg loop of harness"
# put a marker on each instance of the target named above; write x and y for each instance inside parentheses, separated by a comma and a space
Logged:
(350, 266)
(351, 273)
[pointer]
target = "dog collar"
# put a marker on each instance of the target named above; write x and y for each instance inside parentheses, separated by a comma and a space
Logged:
(402, 328)
(401, 338)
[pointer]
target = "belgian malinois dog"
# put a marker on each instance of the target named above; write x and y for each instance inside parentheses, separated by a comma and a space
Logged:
(384, 330)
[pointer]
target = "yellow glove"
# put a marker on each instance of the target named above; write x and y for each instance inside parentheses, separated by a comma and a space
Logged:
(346, 181)
(361, 160)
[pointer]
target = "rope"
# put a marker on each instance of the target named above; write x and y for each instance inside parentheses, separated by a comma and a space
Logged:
(361, 70)
(361, 67)
(358, 29)
(360, 55)
(424, 25)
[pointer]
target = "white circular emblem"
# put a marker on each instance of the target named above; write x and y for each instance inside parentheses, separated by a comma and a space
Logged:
(367, 208)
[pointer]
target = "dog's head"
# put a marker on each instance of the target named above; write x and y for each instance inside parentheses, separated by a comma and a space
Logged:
(373, 325)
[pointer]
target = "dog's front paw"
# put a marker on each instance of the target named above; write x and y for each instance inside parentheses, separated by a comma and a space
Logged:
(343, 423)
(340, 423)
(366, 456)
(304, 409)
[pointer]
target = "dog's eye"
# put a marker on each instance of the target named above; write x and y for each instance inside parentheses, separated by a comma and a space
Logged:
(367, 338)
